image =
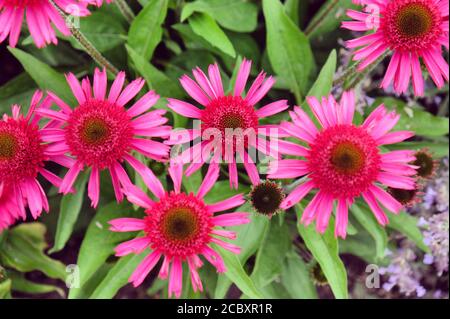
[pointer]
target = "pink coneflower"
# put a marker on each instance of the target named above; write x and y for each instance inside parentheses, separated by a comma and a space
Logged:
(222, 114)
(40, 15)
(413, 30)
(23, 155)
(100, 133)
(343, 161)
(179, 227)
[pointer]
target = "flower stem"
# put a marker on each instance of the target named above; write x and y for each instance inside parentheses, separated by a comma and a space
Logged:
(125, 9)
(320, 19)
(350, 72)
(362, 75)
(85, 43)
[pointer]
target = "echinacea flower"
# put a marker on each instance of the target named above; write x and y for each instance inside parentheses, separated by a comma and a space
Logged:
(406, 197)
(266, 198)
(23, 155)
(101, 133)
(426, 164)
(179, 227)
(228, 122)
(414, 30)
(343, 161)
(40, 16)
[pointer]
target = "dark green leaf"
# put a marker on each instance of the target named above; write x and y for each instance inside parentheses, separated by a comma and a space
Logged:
(325, 250)
(235, 15)
(288, 48)
(45, 77)
(203, 25)
(146, 31)
(68, 214)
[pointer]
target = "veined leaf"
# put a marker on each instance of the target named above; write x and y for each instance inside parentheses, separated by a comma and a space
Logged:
(99, 242)
(365, 217)
(203, 25)
(271, 254)
(236, 273)
(44, 76)
(325, 250)
(118, 276)
(296, 278)
(23, 248)
(68, 214)
(150, 19)
(235, 15)
(407, 225)
(289, 50)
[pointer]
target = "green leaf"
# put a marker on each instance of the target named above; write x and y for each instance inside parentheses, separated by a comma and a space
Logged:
(325, 250)
(361, 245)
(438, 148)
(45, 77)
(235, 15)
(103, 30)
(335, 14)
(18, 90)
(192, 184)
(221, 191)
(155, 79)
(296, 278)
(5, 288)
(407, 225)
(99, 242)
(324, 82)
(68, 214)
(289, 50)
(365, 217)
(23, 250)
(21, 284)
(118, 276)
(271, 254)
(415, 118)
(292, 8)
(91, 285)
(249, 237)
(146, 32)
(236, 273)
(203, 25)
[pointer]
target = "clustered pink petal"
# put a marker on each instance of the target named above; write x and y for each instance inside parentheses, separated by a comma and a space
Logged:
(229, 123)
(179, 228)
(40, 15)
(343, 161)
(23, 155)
(414, 30)
(100, 133)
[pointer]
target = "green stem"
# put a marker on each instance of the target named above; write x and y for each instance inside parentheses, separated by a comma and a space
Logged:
(320, 19)
(350, 72)
(361, 76)
(125, 9)
(86, 44)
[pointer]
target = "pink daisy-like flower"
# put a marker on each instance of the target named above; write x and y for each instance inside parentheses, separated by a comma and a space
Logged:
(40, 15)
(224, 114)
(101, 133)
(414, 30)
(179, 227)
(343, 161)
(23, 155)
